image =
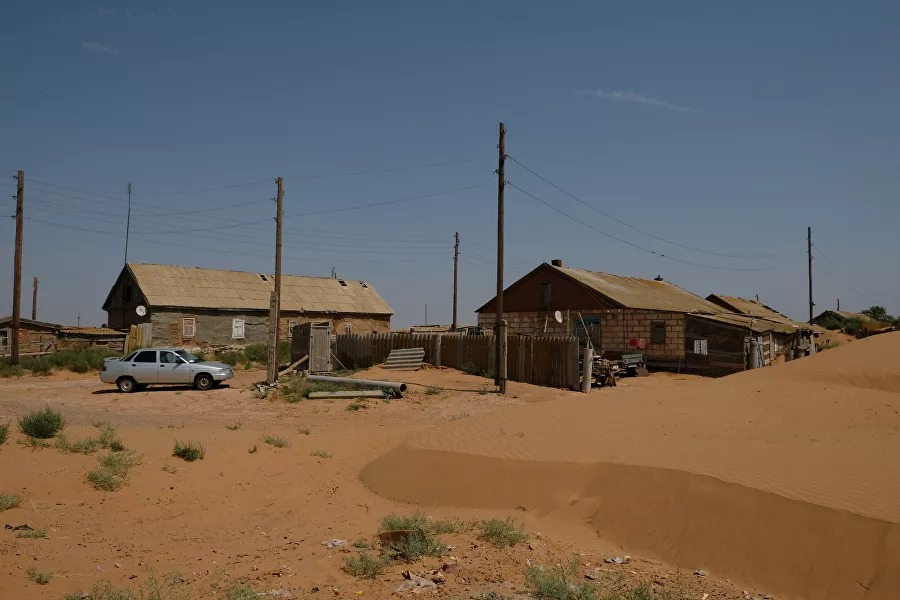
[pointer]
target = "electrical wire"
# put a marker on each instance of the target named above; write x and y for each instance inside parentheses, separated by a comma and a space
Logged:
(871, 295)
(639, 230)
(389, 202)
(633, 245)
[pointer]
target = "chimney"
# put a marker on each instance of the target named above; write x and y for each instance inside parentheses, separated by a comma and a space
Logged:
(556, 262)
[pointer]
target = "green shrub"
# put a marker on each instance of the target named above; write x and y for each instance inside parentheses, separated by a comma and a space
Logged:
(8, 501)
(4, 433)
(556, 583)
(258, 353)
(366, 565)
(229, 358)
(7, 369)
(472, 369)
(236, 591)
(641, 592)
(106, 440)
(39, 577)
(38, 365)
(321, 453)
(362, 544)
(32, 534)
(356, 405)
(80, 360)
(275, 441)
(420, 540)
(502, 533)
(296, 388)
(304, 430)
(42, 424)
(189, 451)
(113, 471)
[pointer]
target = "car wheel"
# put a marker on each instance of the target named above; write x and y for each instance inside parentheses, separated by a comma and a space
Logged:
(203, 382)
(126, 385)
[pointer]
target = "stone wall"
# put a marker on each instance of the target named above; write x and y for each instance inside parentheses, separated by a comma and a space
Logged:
(617, 327)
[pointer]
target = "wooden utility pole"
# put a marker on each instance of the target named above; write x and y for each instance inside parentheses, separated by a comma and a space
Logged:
(455, 280)
(809, 255)
(128, 222)
(500, 333)
(17, 269)
(272, 373)
(34, 300)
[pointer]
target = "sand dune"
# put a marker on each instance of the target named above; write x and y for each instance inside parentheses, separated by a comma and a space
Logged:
(786, 477)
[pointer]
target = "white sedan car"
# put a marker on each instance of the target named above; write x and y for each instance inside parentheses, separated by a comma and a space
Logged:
(149, 366)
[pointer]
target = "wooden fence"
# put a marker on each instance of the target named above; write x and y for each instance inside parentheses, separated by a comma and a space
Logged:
(548, 361)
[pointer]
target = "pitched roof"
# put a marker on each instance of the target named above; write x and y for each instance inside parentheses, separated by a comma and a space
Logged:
(843, 315)
(30, 323)
(194, 287)
(646, 294)
(745, 306)
(90, 332)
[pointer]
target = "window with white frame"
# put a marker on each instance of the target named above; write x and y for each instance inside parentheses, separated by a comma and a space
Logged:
(237, 329)
(4, 338)
(701, 347)
(188, 327)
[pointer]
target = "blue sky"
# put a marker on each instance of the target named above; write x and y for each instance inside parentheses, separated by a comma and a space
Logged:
(724, 127)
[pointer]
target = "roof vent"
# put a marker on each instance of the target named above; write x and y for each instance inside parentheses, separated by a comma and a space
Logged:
(342, 282)
(263, 277)
(658, 278)
(363, 284)
(556, 262)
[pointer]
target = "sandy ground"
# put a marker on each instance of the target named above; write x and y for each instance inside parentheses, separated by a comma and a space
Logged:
(673, 470)
(786, 477)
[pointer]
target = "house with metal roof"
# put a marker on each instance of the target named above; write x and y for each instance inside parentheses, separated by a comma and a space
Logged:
(671, 326)
(192, 306)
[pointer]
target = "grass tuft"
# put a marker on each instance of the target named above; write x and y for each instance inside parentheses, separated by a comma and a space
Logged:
(233, 427)
(4, 433)
(556, 583)
(275, 441)
(107, 440)
(420, 541)
(321, 453)
(362, 544)
(113, 471)
(356, 405)
(8, 501)
(41, 424)
(32, 534)
(236, 591)
(170, 588)
(432, 391)
(502, 533)
(39, 577)
(296, 388)
(365, 565)
(304, 430)
(189, 451)
(253, 450)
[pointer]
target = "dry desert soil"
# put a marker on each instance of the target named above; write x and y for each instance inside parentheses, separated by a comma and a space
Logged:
(782, 482)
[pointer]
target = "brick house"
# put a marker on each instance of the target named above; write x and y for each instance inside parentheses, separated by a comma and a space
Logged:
(195, 307)
(671, 326)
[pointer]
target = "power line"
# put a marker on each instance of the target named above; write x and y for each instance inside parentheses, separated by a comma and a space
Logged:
(62, 187)
(639, 230)
(838, 269)
(391, 170)
(397, 201)
(633, 245)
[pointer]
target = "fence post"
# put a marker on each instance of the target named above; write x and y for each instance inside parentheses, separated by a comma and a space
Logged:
(437, 350)
(504, 356)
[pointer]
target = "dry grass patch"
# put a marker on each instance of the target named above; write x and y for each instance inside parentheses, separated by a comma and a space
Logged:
(275, 441)
(39, 577)
(4, 433)
(366, 566)
(113, 471)
(189, 451)
(559, 583)
(502, 533)
(321, 453)
(8, 501)
(32, 534)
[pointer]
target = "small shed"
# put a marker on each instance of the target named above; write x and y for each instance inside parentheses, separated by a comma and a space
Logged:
(312, 340)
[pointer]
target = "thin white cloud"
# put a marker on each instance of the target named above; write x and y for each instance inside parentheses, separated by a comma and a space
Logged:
(619, 96)
(95, 47)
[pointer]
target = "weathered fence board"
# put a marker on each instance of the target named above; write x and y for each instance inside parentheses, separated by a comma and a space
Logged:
(547, 361)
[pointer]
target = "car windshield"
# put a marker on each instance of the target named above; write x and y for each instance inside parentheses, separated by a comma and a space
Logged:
(188, 356)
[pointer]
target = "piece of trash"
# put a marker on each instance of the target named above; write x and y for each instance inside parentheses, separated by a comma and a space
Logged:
(592, 576)
(22, 527)
(705, 596)
(335, 543)
(700, 573)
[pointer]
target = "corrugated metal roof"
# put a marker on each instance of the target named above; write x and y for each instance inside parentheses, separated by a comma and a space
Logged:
(192, 287)
(646, 294)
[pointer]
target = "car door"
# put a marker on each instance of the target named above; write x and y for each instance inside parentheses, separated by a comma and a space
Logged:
(144, 367)
(173, 368)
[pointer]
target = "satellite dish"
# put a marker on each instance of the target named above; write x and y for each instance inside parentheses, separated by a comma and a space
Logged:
(141, 310)
(558, 316)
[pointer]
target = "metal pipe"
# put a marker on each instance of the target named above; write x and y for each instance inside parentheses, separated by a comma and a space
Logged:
(391, 385)
(347, 394)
